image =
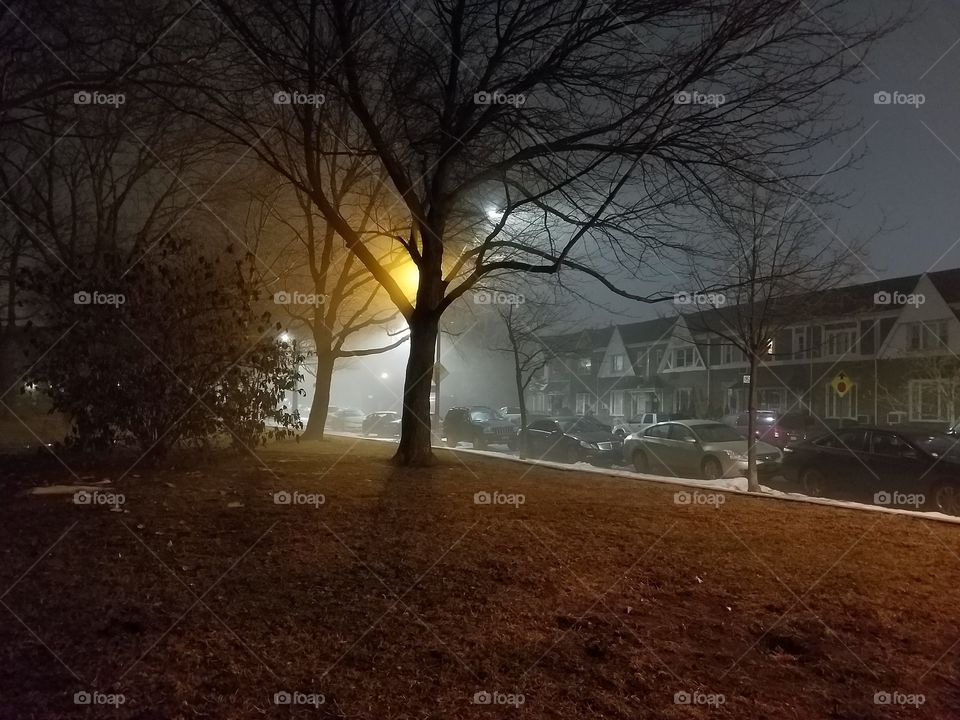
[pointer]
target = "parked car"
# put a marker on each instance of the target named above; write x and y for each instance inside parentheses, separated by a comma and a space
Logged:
(479, 425)
(642, 422)
(697, 448)
(862, 463)
(346, 419)
(384, 423)
(571, 439)
(776, 428)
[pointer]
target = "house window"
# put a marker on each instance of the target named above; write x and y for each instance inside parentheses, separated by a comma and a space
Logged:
(731, 354)
(841, 408)
(585, 364)
(683, 357)
(538, 402)
(617, 363)
(839, 340)
(927, 335)
(682, 400)
(799, 343)
(583, 400)
(771, 399)
(932, 400)
(616, 403)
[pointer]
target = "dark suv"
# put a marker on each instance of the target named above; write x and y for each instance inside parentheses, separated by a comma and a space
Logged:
(479, 425)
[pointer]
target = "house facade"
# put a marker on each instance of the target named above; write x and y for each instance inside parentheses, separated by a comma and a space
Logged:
(892, 347)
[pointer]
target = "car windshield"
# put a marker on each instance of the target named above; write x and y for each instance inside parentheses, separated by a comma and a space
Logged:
(484, 415)
(935, 443)
(583, 424)
(716, 433)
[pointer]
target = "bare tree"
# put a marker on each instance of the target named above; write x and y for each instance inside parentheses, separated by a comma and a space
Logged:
(528, 321)
(317, 285)
(585, 121)
(774, 260)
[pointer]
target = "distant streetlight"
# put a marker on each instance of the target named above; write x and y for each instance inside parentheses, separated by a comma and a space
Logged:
(494, 214)
(384, 376)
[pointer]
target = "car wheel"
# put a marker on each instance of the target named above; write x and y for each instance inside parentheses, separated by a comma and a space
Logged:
(711, 469)
(572, 454)
(945, 497)
(640, 462)
(813, 482)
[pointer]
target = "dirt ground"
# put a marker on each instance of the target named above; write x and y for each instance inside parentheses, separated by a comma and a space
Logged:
(397, 595)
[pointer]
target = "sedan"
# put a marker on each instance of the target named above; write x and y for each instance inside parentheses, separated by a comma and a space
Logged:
(384, 423)
(910, 469)
(697, 448)
(346, 419)
(571, 439)
(775, 428)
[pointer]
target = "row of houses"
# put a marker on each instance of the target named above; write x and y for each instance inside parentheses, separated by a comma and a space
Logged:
(883, 352)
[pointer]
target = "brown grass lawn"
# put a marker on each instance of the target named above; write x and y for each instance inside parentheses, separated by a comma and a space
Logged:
(400, 597)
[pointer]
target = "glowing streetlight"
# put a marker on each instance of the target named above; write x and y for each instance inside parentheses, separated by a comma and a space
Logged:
(494, 214)
(384, 376)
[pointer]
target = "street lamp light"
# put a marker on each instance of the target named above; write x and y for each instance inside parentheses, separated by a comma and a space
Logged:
(384, 376)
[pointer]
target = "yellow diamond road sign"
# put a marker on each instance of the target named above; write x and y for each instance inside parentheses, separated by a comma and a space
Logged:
(841, 383)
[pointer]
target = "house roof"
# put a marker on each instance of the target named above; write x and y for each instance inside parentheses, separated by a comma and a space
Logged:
(840, 302)
(646, 330)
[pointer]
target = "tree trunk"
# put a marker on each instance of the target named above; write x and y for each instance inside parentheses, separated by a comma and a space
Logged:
(322, 340)
(752, 483)
(415, 437)
(321, 397)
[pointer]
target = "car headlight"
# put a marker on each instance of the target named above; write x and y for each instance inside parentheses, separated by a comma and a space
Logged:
(585, 444)
(739, 457)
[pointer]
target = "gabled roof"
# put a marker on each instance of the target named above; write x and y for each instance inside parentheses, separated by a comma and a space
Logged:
(647, 330)
(842, 302)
